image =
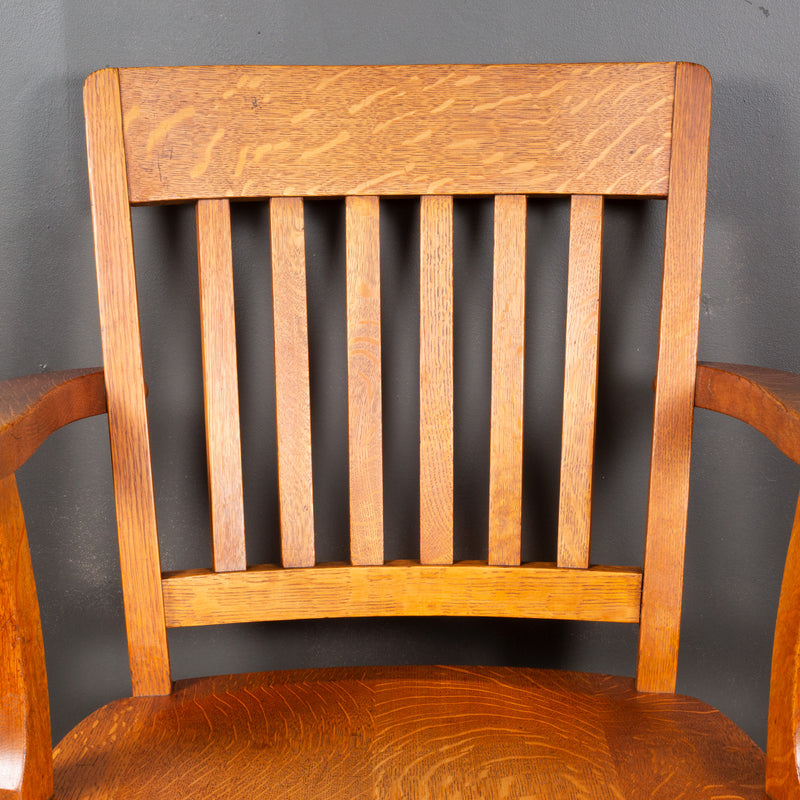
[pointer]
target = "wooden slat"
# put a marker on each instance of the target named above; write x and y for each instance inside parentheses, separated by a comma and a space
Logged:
(436, 380)
(580, 381)
(223, 441)
(508, 360)
(497, 129)
(364, 380)
(201, 597)
(674, 400)
(26, 763)
(125, 388)
(292, 393)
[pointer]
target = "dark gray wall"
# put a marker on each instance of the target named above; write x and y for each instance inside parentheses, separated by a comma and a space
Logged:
(742, 490)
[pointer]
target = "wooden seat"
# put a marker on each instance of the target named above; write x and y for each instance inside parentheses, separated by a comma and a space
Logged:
(409, 732)
(278, 135)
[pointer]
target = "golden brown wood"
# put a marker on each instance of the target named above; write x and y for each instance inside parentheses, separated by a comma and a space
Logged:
(580, 381)
(409, 732)
(783, 767)
(436, 381)
(674, 401)
(26, 767)
(767, 399)
(508, 360)
(31, 408)
(223, 441)
(256, 132)
(201, 597)
(364, 380)
(292, 394)
(125, 389)
(497, 129)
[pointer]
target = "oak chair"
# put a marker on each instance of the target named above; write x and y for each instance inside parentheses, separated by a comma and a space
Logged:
(209, 135)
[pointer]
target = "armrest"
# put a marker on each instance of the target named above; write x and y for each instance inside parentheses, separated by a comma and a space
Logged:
(31, 408)
(767, 399)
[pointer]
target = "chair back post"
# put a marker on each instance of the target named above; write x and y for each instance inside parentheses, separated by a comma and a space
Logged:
(662, 586)
(125, 388)
(26, 763)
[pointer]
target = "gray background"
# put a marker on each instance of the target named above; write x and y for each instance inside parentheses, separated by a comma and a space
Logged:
(742, 490)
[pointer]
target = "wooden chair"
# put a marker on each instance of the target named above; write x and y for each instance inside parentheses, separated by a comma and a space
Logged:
(208, 135)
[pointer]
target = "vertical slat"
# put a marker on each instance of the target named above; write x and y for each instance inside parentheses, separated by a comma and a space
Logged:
(580, 381)
(364, 380)
(292, 394)
(223, 443)
(436, 380)
(662, 586)
(125, 389)
(26, 759)
(508, 359)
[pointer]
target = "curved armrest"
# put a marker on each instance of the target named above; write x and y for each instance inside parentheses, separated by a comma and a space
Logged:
(31, 408)
(767, 399)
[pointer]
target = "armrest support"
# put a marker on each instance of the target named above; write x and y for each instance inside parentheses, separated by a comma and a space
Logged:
(31, 408)
(767, 399)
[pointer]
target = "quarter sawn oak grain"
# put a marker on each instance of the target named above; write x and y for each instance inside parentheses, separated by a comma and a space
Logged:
(211, 135)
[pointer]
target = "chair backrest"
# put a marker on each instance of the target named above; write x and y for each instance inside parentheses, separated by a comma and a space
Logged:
(213, 134)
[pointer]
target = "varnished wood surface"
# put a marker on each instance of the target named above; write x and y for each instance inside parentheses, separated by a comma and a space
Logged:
(221, 384)
(409, 732)
(507, 387)
(767, 399)
(668, 493)
(292, 390)
(783, 764)
(364, 392)
(26, 768)
(34, 406)
(436, 420)
(125, 388)
(431, 129)
(580, 381)
(402, 588)
(257, 132)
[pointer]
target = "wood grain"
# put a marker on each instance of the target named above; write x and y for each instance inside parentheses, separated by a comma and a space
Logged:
(364, 380)
(256, 132)
(221, 384)
(674, 401)
(125, 387)
(436, 381)
(767, 399)
(201, 597)
(26, 767)
(292, 392)
(580, 381)
(508, 362)
(34, 406)
(431, 129)
(409, 732)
